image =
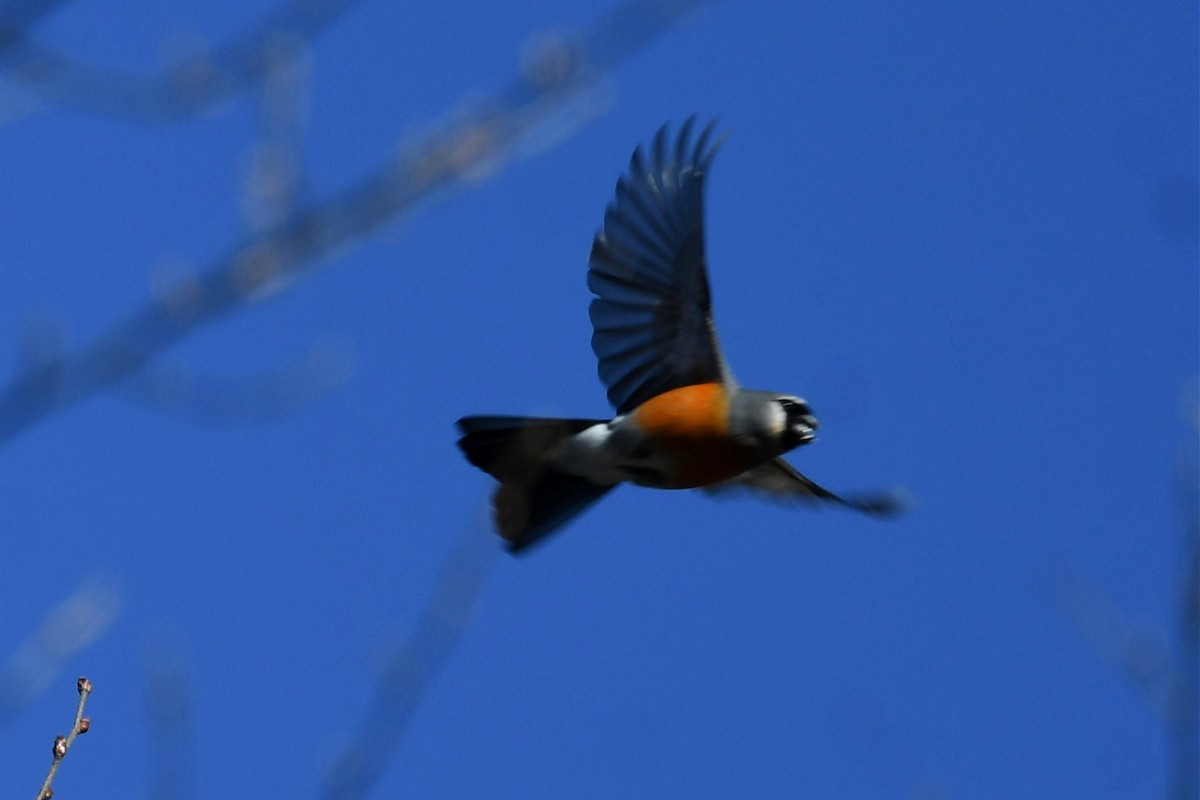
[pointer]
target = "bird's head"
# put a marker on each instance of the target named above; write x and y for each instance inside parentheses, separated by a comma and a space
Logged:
(773, 422)
(795, 424)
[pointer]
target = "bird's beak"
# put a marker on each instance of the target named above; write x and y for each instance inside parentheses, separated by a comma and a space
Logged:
(806, 428)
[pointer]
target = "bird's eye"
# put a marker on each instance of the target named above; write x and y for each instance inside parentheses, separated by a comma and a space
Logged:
(794, 408)
(800, 423)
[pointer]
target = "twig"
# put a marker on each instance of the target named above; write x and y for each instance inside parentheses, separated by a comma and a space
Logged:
(62, 744)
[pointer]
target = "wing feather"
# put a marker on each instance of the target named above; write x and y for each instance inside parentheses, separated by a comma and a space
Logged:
(779, 480)
(652, 314)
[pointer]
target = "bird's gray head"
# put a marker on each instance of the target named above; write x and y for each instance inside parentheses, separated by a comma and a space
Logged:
(777, 422)
(797, 425)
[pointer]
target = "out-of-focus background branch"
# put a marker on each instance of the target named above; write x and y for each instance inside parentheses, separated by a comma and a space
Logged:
(1183, 717)
(1160, 659)
(474, 141)
(410, 668)
(74, 624)
(967, 233)
(170, 721)
(194, 84)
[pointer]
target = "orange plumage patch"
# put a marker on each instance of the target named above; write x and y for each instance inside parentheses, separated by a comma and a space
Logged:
(691, 425)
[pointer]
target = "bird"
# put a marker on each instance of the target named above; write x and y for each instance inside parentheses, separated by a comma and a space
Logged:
(682, 421)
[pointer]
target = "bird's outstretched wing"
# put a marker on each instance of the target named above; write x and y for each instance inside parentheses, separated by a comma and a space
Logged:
(779, 480)
(652, 315)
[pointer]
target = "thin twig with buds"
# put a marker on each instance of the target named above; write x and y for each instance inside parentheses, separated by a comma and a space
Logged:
(62, 744)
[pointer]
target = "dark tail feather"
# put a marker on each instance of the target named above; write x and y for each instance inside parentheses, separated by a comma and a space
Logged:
(533, 499)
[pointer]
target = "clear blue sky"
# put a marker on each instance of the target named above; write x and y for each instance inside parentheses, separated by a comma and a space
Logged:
(965, 232)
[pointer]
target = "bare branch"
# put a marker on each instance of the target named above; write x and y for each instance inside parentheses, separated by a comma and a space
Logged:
(1184, 701)
(276, 174)
(1183, 721)
(1169, 677)
(235, 401)
(474, 140)
(62, 744)
(169, 712)
(411, 669)
(188, 88)
(17, 16)
(1139, 648)
(328, 365)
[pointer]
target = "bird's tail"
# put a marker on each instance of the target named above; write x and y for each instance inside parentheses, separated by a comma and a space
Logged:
(533, 499)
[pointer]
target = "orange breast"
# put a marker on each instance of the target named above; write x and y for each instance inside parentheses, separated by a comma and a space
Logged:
(691, 426)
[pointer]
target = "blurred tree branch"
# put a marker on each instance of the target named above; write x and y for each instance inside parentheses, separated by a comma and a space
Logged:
(411, 668)
(276, 175)
(18, 16)
(78, 621)
(327, 365)
(169, 714)
(469, 145)
(190, 87)
(1167, 676)
(1183, 722)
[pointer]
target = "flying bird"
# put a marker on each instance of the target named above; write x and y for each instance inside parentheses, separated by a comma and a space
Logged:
(682, 421)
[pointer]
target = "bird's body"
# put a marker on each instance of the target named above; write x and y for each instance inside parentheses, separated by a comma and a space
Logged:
(680, 439)
(682, 420)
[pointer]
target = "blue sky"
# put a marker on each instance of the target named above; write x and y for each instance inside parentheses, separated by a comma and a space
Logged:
(966, 233)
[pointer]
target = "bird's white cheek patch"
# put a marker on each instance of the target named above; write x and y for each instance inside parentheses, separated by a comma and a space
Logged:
(778, 420)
